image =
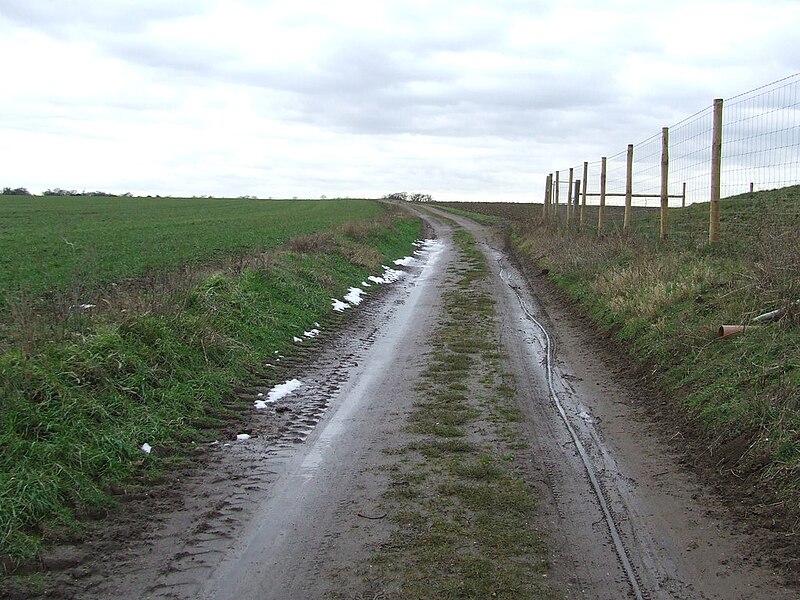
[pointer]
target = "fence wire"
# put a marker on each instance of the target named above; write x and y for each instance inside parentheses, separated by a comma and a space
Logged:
(760, 151)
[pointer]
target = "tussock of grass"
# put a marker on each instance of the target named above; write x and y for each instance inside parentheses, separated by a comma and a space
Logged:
(75, 408)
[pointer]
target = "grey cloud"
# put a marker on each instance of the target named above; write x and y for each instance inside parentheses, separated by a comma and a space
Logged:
(75, 18)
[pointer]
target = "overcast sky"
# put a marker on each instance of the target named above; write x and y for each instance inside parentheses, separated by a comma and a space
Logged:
(466, 100)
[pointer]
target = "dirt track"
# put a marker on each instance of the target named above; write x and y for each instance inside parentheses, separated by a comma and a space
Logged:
(287, 513)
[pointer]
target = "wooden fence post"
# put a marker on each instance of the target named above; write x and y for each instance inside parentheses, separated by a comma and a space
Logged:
(683, 196)
(628, 190)
(558, 216)
(601, 212)
(569, 196)
(716, 167)
(546, 197)
(576, 197)
(583, 200)
(664, 183)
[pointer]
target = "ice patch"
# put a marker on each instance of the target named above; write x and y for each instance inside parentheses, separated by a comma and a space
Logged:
(146, 448)
(242, 437)
(339, 306)
(586, 417)
(279, 391)
(365, 284)
(311, 334)
(297, 339)
(354, 296)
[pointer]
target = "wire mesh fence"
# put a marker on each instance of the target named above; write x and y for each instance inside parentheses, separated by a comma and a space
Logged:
(672, 173)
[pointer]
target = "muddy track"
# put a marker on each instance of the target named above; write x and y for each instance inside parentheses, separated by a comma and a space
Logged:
(288, 513)
(625, 517)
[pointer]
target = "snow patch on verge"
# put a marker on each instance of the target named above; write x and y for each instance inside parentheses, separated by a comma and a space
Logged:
(354, 296)
(279, 391)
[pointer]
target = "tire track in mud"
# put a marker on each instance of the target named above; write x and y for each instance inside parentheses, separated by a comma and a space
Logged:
(184, 546)
(599, 490)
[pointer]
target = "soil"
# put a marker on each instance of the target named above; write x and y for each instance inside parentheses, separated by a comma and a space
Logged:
(290, 511)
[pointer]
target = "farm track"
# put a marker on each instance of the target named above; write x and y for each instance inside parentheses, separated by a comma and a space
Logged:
(288, 512)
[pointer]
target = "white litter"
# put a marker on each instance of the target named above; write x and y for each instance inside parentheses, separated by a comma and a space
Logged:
(146, 448)
(87, 306)
(311, 334)
(242, 437)
(297, 339)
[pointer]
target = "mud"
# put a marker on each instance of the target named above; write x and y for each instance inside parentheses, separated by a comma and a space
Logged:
(289, 512)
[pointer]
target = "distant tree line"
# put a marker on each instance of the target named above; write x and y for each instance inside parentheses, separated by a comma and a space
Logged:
(7, 191)
(21, 191)
(60, 192)
(406, 197)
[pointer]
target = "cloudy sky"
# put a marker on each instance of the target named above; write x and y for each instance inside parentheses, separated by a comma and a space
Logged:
(467, 100)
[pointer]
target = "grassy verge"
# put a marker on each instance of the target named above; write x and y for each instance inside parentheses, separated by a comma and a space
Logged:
(77, 407)
(664, 302)
(463, 513)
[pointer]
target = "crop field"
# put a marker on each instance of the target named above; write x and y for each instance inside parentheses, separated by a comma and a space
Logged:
(56, 243)
(155, 358)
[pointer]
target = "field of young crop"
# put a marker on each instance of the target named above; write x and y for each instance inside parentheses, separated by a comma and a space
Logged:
(150, 358)
(61, 243)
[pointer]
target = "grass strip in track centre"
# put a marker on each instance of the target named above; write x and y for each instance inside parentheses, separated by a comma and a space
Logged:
(738, 398)
(463, 513)
(75, 410)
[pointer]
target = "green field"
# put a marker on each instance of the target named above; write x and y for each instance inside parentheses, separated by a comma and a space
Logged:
(191, 298)
(58, 243)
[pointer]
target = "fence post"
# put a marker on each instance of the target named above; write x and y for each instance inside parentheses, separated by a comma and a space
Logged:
(716, 166)
(555, 204)
(664, 182)
(576, 197)
(683, 196)
(547, 186)
(569, 196)
(628, 190)
(601, 212)
(583, 200)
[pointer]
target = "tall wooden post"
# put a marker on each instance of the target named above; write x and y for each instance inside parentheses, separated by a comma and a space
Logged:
(628, 190)
(583, 200)
(664, 182)
(716, 168)
(601, 212)
(576, 197)
(683, 196)
(558, 216)
(546, 203)
(569, 196)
